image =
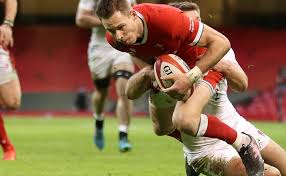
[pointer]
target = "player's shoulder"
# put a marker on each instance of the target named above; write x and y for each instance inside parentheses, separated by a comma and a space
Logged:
(87, 4)
(155, 9)
(161, 17)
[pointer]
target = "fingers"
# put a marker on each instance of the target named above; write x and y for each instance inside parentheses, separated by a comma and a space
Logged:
(171, 77)
(2, 37)
(12, 42)
(6, 38)
(170, 90)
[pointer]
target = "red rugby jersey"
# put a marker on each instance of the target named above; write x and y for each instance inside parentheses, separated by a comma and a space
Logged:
(166, 31)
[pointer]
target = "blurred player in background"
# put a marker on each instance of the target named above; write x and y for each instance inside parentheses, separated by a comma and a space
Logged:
(150, 30)
(10, 90)
(281, 93)
(104, 63)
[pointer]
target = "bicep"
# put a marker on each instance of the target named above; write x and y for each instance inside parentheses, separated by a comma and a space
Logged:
(233, 72)
(208, 36)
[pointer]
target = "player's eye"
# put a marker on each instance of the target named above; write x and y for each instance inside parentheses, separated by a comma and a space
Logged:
(112, 31)
(121, 27)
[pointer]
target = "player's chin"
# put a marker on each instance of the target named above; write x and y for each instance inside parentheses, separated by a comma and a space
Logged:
(130, 41)
(127, 42)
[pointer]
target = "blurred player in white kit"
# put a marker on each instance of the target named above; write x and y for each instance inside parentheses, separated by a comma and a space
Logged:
(106, 63)
(10, 89)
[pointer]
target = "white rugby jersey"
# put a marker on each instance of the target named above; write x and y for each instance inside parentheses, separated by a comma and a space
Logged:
(219, 106)
(98, 33)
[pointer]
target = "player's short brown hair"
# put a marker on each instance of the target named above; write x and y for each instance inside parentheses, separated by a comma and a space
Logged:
(106, 8)
(185, 6)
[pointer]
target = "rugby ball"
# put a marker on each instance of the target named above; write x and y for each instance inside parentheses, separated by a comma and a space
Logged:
(168, 64)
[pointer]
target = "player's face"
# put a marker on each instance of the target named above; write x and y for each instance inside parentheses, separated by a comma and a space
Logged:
(193, 15)
(122, 27)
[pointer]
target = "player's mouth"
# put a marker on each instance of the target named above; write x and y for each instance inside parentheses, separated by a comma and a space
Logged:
(126, 41)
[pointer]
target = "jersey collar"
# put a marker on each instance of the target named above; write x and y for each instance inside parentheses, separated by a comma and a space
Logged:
(145, 28)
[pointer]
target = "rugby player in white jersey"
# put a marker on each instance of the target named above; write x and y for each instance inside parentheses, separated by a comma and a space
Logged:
(10, 90)
(106, 63)
(207, 155)
(221, 107)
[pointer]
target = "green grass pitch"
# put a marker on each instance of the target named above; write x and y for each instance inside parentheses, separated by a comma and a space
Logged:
(64, 147)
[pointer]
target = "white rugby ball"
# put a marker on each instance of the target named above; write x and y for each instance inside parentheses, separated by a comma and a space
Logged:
(168, 64)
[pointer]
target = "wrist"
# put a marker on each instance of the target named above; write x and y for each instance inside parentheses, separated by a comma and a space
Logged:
(194, 74)
(9, 23)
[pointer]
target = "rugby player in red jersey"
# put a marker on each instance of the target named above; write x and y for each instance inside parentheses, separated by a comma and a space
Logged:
(150, 30)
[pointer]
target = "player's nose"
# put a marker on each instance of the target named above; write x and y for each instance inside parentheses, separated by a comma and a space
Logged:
(119, 36)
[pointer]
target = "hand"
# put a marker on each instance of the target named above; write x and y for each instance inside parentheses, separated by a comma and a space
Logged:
(181, 87)
(6, 36)
(148, 71)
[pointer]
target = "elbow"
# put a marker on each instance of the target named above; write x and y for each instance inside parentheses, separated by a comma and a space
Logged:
(79, 21)
(226, 44)
(129, 93)
(244, 85)
(241, 86)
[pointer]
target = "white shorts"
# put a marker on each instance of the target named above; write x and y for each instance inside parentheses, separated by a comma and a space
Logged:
(7, 71)
(213, 158)
(101, 58)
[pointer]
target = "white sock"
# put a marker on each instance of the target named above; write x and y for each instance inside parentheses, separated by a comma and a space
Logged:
(123, 128)
(99, 117)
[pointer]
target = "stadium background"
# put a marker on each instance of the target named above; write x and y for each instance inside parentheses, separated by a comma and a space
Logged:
(50, 53)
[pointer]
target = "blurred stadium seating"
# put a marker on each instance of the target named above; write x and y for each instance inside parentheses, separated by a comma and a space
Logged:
(50, 53)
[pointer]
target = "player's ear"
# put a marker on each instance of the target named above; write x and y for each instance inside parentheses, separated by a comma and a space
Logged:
(133, 14)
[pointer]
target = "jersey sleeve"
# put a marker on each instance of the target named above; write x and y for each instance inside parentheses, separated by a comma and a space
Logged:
(195, 32)
(211, 79)
(230, 56)
(86, 5)
(109, 39)
(175, 23)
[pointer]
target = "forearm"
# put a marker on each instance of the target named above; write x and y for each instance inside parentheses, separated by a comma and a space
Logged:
(236, 78)
(86, 19)
(138, 84)
(217, 46)
(10, 9)
(215, 52)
